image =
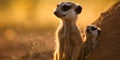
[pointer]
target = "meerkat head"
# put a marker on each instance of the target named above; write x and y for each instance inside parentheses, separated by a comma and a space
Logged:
(67, 10)
(94, 30)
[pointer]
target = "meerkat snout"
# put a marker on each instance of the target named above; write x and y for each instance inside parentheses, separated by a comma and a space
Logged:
(67, 10)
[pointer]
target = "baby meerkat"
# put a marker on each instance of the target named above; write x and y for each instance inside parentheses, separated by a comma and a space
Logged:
(92, 33)
(68, 38)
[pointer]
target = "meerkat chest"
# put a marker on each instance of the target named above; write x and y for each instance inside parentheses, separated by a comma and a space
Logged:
(69, 35)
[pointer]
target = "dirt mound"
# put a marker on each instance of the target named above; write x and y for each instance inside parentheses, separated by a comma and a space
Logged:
(109, 40)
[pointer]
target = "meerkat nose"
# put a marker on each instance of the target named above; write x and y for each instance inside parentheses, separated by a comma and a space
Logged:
(55, 12)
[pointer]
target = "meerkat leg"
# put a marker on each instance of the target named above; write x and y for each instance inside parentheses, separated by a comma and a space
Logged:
(60, 53)
(56, 55)
(76, 51)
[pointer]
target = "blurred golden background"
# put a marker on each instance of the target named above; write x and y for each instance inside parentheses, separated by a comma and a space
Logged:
(38, 14)
(27, 26)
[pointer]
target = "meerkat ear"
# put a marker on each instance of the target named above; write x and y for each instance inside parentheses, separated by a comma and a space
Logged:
(78, 9)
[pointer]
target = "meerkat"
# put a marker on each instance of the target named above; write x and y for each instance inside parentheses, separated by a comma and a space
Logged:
(68, 38)
(92, 33)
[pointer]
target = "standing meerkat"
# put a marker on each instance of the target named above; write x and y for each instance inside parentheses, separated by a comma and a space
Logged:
(68, 38)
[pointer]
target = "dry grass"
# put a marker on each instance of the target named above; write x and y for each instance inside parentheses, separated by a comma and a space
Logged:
(27, 46)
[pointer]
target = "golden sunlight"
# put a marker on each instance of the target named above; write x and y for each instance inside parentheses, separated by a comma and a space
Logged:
(27, 27)
(38, 14)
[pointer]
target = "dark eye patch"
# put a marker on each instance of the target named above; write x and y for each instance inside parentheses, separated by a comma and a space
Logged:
(65, 8)
(93, 28)
(57, 5)
(88, 26)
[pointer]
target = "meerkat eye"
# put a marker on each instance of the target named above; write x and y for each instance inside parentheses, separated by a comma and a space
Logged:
(93, 28)
(65, 8)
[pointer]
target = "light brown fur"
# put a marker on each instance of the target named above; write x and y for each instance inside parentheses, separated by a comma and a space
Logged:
(68, 39)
